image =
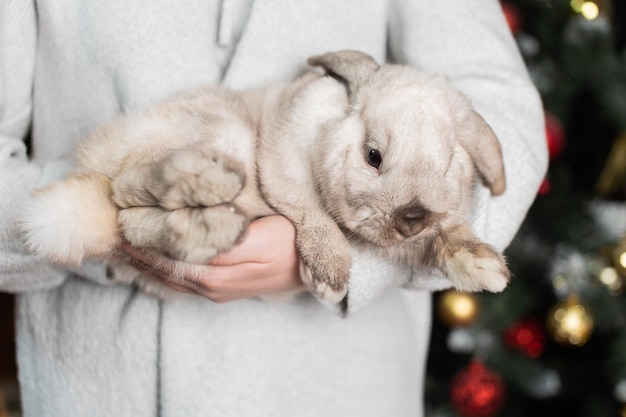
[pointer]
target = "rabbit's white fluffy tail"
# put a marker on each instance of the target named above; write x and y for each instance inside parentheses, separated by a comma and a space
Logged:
(72, 220)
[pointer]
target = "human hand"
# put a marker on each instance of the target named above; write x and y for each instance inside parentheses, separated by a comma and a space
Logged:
(265, 262)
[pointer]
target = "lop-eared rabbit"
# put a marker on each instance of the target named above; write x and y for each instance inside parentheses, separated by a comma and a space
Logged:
(383, 156)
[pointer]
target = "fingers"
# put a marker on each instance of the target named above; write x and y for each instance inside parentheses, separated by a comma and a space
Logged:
(179, 288)
(219, 284)
(265, 262)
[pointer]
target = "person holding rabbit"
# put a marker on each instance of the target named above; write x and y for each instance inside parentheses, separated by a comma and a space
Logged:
(88, 345)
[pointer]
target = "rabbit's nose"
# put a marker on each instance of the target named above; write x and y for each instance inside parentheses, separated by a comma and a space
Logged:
(411, 219)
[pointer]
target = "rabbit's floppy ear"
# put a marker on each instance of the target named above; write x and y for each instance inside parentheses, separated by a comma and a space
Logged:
(481, 143)
(354, 67)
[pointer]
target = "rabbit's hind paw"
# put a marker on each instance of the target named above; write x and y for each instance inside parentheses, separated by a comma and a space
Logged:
(194, 234)
(187, 177)
(193, 178)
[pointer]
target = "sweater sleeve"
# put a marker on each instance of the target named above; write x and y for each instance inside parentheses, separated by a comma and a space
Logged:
(469, 42)
(20, 271)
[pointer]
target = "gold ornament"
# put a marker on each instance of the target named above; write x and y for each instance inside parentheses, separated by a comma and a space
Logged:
(570, 322)
(457, 309)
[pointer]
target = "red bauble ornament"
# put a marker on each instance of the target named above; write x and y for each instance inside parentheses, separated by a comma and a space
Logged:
(512, 17)
(526, 336)
(555, 135)
(477, 391)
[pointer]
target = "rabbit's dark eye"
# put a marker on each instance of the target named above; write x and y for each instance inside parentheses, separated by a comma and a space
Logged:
(374, 158)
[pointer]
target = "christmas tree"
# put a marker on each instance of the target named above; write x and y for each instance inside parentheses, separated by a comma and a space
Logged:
(554, 343)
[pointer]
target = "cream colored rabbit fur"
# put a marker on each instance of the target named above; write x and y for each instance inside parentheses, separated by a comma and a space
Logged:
(384, 156)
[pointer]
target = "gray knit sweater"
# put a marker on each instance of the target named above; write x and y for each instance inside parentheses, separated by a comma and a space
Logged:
(89, 347)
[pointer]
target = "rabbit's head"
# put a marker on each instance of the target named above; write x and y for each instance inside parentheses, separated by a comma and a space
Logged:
(402, 163)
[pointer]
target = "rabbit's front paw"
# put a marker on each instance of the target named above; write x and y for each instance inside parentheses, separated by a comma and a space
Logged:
(469, 263)
(329, 283)
(194, 234)
(185, 178)
(478, 267)
(324, 264)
